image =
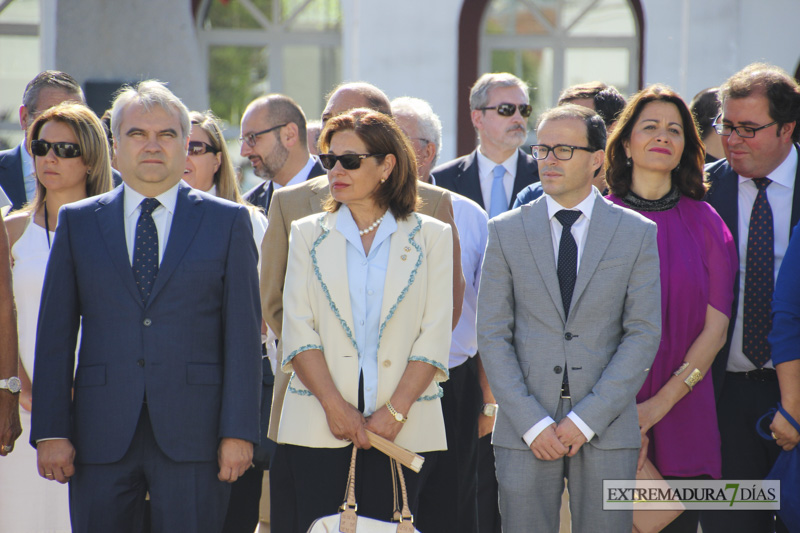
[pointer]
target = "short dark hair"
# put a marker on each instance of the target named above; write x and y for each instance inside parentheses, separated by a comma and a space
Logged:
(595, 127)
(284, 110)
(780, 89)
(580, 91)
(381, 135)
(705, 108)
(609, 103)
(689, 175)
(50, 79)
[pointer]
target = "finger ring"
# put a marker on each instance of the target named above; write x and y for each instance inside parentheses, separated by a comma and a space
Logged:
(7, 449)
(774, 436)
(48, 475)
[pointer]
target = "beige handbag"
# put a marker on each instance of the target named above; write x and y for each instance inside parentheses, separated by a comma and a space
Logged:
(347, 521)
(653, 521)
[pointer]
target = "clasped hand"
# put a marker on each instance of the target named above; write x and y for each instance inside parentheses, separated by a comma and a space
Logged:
(556, 441)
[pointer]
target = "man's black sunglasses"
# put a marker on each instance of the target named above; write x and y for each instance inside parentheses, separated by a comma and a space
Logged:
(508, 110)
(39, 148)
(348, 161)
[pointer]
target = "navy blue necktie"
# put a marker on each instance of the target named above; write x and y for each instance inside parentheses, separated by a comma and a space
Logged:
(759, 278)
(567, 267)
(145, 249)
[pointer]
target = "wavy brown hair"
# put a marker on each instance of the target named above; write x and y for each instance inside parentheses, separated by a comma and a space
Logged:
(688, 176)
(381, 135)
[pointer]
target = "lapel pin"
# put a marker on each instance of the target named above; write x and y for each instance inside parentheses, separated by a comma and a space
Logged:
(407, 248)
(403, 257)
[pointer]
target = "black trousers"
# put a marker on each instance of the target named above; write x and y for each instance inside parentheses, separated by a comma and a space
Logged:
(448, 499)
(745, 455)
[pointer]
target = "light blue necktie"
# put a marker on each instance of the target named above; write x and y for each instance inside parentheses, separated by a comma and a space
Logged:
(499, 201)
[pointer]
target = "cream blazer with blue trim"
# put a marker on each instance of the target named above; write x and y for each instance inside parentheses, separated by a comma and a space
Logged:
(416, 318)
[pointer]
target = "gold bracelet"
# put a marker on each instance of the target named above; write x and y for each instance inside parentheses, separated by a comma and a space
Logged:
(397, 415)
(681, 368)
(694, 378)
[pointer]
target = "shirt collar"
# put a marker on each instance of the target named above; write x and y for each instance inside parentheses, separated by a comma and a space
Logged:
(346, 225)
(784, 174)
(132, 199)
(300, 177)
(486, 165)
(586, 206)
(27, 161)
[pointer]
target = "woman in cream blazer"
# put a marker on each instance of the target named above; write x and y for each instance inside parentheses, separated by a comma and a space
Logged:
(355, 366)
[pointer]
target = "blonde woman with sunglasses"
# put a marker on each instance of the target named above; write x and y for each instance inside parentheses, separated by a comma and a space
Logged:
(71, 160)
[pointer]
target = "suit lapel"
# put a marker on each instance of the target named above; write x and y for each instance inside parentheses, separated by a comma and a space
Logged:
(540, 240)
(405, 257)
(527, 173)
(330, 260)
(795, 217)
(726, 201)
(111, 219)
(468, 182)
(185, 222)
(315, 200)
(601, 228)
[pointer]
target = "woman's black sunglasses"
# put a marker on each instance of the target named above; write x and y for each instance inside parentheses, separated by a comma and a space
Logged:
(200, 148)
(39, 148)
(348, 161)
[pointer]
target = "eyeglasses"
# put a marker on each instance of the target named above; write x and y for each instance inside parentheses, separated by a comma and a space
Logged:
(200, 148)
(508, 110)
(562, 152)
(39, 148)
(250, 138)
(348, 161)
(745, 132)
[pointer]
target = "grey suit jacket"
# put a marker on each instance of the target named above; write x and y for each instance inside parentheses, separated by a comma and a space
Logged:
(608, 342)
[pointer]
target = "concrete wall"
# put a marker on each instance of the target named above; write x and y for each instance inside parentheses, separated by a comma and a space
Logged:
(132, 40)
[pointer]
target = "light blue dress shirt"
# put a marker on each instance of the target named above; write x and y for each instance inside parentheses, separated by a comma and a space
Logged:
(366, 277)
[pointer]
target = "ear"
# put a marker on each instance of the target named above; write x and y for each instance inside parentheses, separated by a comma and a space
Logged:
(389, 161)
(23, 118)
(627, 146)
(598, 158)
(289, 135)
(787, 130)
(430, 153)
(477, 118)
(217, 161)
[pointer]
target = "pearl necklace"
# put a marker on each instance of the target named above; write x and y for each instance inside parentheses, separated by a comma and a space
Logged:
(374, 225)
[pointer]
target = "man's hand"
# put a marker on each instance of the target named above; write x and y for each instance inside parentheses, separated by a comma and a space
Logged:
(235, 456)
(785, 435)
(546, 446)
(570, 436)
(56, 459)
(10, 429)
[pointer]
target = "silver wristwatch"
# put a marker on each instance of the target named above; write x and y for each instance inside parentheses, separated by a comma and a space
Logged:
(12, 384)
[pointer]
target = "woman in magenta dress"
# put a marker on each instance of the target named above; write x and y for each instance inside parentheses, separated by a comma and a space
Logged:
(654, 163)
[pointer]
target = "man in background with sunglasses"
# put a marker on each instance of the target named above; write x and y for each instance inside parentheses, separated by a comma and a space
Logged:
(497, 170)
(295, 202)
(754, 189)
(46, 90)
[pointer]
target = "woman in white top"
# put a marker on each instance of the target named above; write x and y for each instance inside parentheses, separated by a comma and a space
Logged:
(71, 158)
(209, 169)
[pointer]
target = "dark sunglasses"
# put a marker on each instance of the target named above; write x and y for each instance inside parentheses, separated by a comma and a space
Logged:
(348, 161)
(39, 148)
(508, 110)
(200, 148)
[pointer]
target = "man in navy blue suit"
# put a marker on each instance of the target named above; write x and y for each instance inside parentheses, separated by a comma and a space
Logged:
(162, 281)
(47, 89)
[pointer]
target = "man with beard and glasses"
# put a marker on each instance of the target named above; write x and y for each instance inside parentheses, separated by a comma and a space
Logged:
(497, 170)
(274, 140)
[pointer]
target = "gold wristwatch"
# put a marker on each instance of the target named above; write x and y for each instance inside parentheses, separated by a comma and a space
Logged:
(397, 415)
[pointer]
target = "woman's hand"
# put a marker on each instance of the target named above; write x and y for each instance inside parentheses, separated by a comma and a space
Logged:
(347, 423)
(384, 424)
(643, 452)
(650, 412)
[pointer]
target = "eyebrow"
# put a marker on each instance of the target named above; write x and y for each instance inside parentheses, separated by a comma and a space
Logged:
(136, 129)
(656, 120)
(742, 122)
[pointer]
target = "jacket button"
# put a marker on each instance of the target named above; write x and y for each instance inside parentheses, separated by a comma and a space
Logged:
(568, 336)
(140, 362)
(557, 369)
(387, 363)
(147, 322)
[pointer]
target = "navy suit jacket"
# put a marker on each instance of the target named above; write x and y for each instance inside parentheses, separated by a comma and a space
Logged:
(723, 195)
(193, 351)
(11, 179)
(461, 175)
(258, 194)
(13, 182)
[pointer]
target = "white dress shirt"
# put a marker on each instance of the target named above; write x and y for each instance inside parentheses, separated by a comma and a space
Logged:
(486, 175)
(162, 216)
(780, 194)
(580, 230)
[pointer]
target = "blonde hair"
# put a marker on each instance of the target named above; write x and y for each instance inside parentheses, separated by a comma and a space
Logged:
(225, 176)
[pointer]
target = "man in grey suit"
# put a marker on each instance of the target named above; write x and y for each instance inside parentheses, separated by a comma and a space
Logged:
(569, 320)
